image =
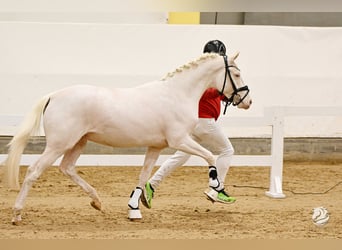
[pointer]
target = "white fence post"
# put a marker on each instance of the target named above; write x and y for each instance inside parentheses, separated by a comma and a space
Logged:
(277, 152)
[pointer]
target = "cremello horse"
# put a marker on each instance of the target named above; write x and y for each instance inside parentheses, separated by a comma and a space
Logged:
(158, 114)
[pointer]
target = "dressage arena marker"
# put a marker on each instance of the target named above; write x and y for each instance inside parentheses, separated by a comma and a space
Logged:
(273, 116)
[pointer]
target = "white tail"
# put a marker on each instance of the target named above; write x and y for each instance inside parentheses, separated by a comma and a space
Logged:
(18, 143)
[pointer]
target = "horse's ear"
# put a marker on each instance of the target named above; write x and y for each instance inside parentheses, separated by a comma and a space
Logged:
(236, 55)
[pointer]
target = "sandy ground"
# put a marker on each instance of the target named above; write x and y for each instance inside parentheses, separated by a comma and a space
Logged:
(58, 209)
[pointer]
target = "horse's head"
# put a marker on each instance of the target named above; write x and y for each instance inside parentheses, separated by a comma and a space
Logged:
(235, 90)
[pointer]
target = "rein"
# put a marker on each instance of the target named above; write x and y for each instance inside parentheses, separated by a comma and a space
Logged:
(235, 98)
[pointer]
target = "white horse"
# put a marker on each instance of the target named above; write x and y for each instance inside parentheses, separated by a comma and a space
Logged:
(158, 114)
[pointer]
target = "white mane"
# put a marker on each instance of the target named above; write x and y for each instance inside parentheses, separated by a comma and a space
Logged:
(191, 64)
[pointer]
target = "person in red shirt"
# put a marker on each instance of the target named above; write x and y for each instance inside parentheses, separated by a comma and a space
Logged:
(209, 134)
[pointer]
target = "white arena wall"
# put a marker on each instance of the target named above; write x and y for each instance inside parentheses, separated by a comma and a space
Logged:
(283, 66)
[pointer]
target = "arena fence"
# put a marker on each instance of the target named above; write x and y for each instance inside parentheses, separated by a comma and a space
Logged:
(273, 117)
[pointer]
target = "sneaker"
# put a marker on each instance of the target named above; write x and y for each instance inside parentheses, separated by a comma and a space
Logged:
(219, 196)
(146, 198)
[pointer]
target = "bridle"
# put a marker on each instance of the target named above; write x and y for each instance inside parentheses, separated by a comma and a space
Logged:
(235, 99)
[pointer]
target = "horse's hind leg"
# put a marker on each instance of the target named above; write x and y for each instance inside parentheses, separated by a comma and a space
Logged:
(68, 167)
(48, 157)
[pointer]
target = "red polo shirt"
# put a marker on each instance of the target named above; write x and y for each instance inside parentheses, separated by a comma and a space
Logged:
(210, 104)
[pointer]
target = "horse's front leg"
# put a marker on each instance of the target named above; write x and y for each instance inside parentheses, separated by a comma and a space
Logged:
(151, 157)
(188, 145)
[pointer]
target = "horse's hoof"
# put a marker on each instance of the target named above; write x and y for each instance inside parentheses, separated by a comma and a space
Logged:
(16, 221)
(96, 205)
(134, 215)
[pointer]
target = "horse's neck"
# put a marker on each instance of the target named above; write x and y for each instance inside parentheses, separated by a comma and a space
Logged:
(193, 82)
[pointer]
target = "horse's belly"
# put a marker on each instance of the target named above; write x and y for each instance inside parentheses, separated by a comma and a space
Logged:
(128, 140)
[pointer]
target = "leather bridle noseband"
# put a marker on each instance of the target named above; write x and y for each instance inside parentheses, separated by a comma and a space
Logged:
(235, 99)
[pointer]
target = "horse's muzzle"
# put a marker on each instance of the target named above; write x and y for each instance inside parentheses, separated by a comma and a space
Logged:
(245, 104)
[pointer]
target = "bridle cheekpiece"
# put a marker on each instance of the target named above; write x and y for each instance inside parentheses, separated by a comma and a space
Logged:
(235, 99)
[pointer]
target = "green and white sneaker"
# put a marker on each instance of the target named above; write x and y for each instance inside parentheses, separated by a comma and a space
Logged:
(147, 195)
(219, 196)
